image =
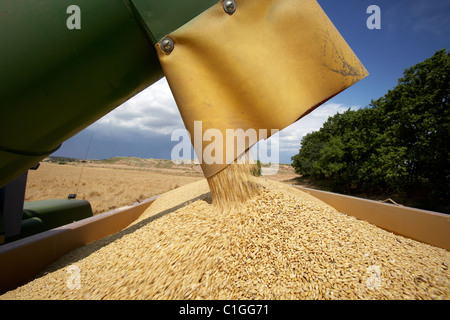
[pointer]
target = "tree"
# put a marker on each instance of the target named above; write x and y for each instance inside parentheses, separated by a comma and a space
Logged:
(398, 143)
(255, 169)
(417, 117)
(304, 163)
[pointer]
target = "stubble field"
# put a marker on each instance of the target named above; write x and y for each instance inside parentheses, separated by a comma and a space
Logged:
(105, 188)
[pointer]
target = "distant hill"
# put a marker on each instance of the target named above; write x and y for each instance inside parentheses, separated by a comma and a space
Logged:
(61, 160)
(142, 163)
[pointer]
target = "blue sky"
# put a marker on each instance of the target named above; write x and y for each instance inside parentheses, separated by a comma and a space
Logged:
(411, 31)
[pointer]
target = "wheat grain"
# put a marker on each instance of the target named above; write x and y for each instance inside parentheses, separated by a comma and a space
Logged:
(280, 244)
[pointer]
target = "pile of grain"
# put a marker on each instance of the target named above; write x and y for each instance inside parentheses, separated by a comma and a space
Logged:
(282, 244)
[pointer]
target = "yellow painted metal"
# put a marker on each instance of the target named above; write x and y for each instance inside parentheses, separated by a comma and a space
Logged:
(425, 226)
(263, 67)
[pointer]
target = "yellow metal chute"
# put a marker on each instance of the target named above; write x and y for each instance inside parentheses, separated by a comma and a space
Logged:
(263, 66)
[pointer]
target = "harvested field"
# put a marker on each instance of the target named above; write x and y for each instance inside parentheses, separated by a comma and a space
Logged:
(106, 188)
(282, 244)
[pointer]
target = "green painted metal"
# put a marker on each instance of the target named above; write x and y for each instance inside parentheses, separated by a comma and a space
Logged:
(57, 212)
(43, 215)
(54, 82)
(162, 17)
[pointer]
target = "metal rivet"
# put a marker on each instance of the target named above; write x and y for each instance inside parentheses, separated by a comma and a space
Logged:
(167, 45)
(229, 6)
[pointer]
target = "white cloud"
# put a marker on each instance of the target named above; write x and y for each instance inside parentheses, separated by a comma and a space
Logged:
(151, 111)
(290, 137)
